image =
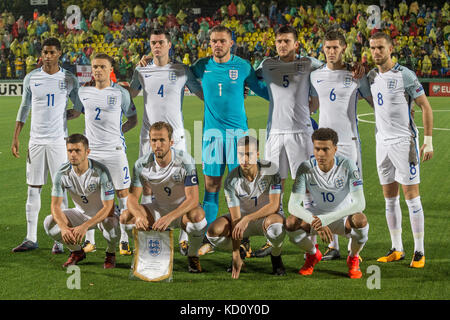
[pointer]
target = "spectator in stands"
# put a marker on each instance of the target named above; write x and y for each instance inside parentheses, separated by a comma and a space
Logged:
(3, 65)
(426, 66)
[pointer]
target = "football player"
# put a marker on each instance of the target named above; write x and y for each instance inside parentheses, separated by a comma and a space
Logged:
(394, 89)
(335, 186)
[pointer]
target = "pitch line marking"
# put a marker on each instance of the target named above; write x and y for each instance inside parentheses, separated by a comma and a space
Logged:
(373, 122)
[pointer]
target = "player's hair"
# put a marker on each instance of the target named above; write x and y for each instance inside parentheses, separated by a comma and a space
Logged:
(287, 29)
(221, 28)
(77, 138)
(52, 42)
(162, 125)
(248, 140)
(160, 31)
(325, 134)
(382, 35)
(104, 56)
(335, 35)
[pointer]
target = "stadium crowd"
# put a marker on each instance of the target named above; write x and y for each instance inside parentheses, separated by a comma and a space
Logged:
(421, 33)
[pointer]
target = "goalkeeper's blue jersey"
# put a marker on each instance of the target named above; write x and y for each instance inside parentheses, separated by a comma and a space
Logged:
(223, 90)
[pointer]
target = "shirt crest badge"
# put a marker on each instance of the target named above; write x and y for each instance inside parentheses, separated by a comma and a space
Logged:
(111, 100)
(300, 67)
(62, 85)
(172, 76)
(348, 81)
(391, 84)
(234, 74)
(339, 182)
(92, 187)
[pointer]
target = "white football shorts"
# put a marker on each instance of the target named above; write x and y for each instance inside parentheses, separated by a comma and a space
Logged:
(117, 164)
(399, 162)
(42, 159)
(351, 151)
(288, 151)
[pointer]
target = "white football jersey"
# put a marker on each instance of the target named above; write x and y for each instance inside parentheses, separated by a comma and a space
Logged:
(251, 196)
(103, 111)
(288, 85)
(46, 95)
(88, 190)
(328, 189)
(338, 92)
(163, 93)
(167, 183)
(393, 94)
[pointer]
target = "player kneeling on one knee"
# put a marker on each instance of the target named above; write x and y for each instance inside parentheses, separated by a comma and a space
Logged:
(172, 177)
(90, 186)
(336, 188)
(252, 191)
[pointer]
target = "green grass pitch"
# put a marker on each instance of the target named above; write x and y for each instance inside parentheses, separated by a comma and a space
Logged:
(38, 274)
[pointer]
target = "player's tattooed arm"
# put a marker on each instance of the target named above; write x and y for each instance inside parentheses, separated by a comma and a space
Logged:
(358, 70)
(130, 124)
(72, 114)
(313, 104)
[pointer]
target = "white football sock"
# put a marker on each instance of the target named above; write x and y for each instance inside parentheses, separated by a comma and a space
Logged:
(90, 236)
(195, 232)
(334, 243)
(417, 220)
(223, 243)
(275, 234)
(359, 239)
(146, 199)
(394, 221)
(32, 208)
(110, 229)
(300, 239)
(123, 206)
(183, 236)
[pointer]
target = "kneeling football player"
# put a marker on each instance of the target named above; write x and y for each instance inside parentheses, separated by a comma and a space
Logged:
(252, 191)
(172, 177)
(90, 186)
(336, 188)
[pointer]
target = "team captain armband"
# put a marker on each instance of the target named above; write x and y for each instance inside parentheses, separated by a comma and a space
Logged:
(190, 181)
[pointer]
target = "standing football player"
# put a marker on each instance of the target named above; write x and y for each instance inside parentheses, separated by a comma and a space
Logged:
(46, 91)
(103, 106)
(163, 82)
(336, 91)
(289, 127)
(394, 89)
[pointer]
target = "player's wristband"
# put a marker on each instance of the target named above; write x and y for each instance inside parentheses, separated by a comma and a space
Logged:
(428, 141)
